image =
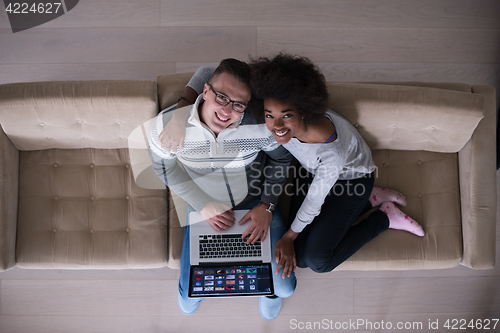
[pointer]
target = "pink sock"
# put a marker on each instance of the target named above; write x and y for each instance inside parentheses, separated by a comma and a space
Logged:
(380, 195)
(401, 221)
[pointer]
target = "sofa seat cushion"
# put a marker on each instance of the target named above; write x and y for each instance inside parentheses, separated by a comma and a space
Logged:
(82, 209)
(430, 183)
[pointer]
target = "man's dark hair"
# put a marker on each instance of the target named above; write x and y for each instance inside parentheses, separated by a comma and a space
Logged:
(293, 80)
(236, 68)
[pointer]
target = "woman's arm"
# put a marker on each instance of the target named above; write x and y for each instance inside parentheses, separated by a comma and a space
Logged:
(285, 253)
(172, 135)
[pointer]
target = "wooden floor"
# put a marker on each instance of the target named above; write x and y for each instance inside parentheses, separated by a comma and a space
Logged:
(351, 40)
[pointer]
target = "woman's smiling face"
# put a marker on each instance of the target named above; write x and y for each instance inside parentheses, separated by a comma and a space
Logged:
(283, 120)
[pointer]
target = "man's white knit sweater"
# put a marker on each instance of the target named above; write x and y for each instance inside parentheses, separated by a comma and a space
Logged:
(241, 165)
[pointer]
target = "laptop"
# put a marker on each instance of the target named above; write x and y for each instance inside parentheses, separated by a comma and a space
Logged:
(223, 265)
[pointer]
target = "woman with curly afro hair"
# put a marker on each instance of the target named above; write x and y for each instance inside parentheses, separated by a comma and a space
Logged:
(295, 107)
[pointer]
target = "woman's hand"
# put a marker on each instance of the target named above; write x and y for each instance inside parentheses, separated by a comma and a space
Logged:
(261, 220)
(174, 132)
(285, 254)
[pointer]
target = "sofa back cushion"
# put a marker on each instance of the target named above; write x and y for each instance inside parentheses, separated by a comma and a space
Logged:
(75, 114)
(170, 88)
(418, 116)
(408, 117)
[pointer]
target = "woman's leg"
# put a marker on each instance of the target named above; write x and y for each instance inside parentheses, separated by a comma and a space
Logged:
(330, 239)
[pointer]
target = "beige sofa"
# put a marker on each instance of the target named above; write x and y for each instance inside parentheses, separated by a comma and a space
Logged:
(72, 196)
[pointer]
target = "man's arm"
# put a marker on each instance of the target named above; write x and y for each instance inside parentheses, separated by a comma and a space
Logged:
(166, 167)
(217, 214)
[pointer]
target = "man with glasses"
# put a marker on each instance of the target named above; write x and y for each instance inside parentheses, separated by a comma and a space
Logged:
(229, 161)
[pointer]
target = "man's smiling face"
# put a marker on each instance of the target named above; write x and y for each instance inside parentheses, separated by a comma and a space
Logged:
(219, 117)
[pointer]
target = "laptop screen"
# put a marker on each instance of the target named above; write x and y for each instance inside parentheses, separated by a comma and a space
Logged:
(248, 279)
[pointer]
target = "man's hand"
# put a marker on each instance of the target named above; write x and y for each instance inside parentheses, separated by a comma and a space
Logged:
(174, 132)
(218, 215)
(261, 219)
(284, 254)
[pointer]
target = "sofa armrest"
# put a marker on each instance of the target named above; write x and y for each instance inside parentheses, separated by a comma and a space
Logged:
(9, 186)
(478, 188)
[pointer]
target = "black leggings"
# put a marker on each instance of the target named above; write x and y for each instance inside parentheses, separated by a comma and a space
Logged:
(331, 237)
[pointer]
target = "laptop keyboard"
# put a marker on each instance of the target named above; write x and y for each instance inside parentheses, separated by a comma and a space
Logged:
(227, 246)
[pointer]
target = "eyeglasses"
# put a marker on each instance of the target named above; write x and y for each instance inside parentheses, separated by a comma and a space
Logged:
(223, 100)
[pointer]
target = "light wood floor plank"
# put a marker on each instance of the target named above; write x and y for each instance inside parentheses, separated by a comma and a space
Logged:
(88, 298)
(109, 13)
(75, 72)
(382, 45)
(103, 13)
(383, 322)
(317, 296)
(186, 67)
(4, 19)
(115, 45)
(222, 323)
(465, 73)
(108, 297)
(153, 297)
(159, 274)
(427, 295)
(339, 13)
